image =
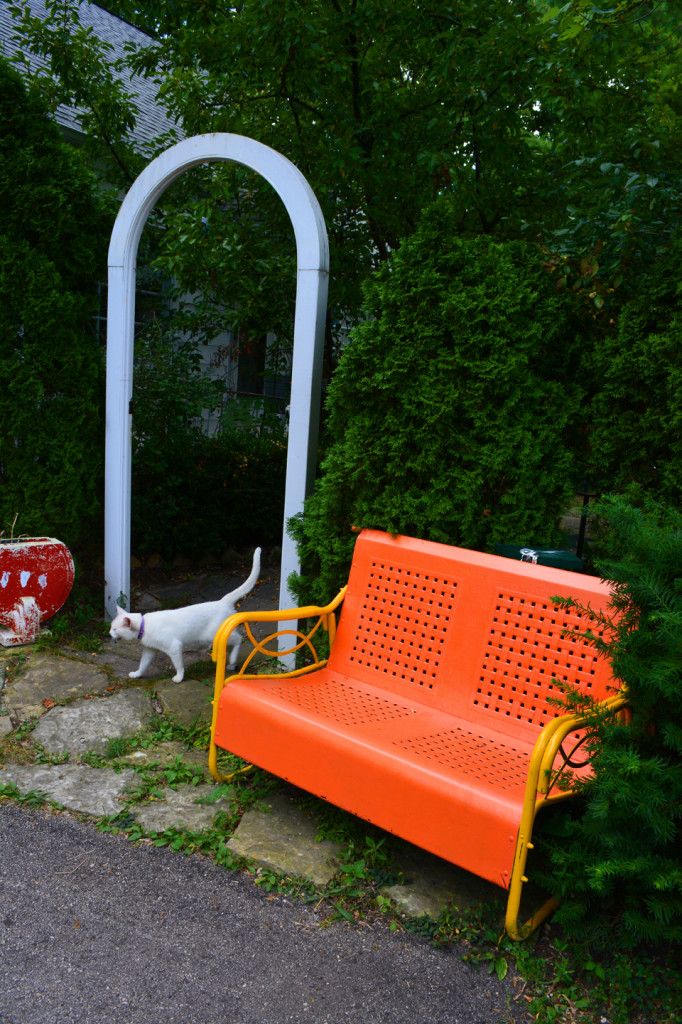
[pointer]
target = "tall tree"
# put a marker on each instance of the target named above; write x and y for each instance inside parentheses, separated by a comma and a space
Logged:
(382, 104)
(542, 120)
(557, 123)
(609, 127)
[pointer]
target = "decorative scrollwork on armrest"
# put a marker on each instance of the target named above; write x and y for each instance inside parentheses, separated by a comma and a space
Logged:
(568, 757)
(301, 642)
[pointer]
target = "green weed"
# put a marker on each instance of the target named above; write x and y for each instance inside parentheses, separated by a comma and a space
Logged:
(119, 746)
(8, 791)
(42, 757)
(163, 730)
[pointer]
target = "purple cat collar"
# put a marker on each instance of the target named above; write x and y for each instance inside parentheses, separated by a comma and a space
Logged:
(141, 633)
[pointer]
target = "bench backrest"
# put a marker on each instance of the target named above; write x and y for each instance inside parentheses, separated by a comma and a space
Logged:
(469, 633)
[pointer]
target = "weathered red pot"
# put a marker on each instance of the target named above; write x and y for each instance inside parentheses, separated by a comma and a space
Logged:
(36, 576)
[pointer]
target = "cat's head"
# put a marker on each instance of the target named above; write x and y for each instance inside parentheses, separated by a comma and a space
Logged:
(124, 626)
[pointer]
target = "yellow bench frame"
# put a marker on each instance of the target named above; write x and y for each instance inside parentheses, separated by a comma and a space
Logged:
(334, 723)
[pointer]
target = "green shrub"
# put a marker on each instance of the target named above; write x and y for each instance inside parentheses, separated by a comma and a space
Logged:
(637, 409)
(454, 411)
(619, 871)
(209, 494)
(52, 250)
(193, 494)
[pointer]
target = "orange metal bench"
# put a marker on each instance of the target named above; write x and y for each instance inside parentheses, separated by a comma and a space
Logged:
(431, 716)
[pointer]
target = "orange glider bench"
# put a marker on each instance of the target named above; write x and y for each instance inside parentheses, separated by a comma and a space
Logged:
(432, 717)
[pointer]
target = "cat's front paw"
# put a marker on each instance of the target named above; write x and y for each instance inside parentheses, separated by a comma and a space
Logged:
(134, 675)
(178, 678)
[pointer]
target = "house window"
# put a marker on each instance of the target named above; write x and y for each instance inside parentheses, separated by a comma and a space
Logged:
(251, 365)
(257, 370)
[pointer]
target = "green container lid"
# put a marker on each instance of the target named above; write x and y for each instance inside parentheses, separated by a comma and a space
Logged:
(555, 557)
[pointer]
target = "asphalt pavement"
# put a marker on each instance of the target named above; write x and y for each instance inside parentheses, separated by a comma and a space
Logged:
(97, 930)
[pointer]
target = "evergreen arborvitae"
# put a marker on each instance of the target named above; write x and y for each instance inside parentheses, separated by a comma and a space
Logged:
(619, 871)
(637, 408)
(454, 411)
(52, 255)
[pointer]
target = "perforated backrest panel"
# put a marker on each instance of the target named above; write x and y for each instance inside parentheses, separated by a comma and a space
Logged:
(527, 649)
(401, 630)
(467, 633)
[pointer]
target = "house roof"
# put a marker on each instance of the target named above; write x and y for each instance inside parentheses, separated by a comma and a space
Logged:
(152, 119)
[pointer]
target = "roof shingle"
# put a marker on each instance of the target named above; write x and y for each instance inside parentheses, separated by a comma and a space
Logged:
(152, 120)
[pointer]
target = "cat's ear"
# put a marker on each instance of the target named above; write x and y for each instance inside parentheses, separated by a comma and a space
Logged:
(121, 611)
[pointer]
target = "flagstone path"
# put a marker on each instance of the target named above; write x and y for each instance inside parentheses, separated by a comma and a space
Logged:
(81, 703)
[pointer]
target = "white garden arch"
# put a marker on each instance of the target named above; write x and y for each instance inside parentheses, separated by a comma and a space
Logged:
(312, 253)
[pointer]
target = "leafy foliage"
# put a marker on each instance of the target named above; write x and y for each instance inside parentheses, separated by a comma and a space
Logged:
(608, 134)
(559, 120)
(194, 494)
(378, 102)
(51, 245)
(637, 417)
(620, 870)
(206, 493)
(454, 411)
(78, 69)
(541, 121)
(553, 120)
(226, 246)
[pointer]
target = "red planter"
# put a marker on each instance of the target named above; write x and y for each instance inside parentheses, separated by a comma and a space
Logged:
(36, 576)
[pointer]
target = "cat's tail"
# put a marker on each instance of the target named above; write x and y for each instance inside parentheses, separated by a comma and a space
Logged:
(249, 584)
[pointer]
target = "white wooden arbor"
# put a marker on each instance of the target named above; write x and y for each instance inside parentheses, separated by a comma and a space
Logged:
(312, 252)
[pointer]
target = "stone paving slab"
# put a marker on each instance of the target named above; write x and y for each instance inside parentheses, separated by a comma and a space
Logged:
(163, 754)
(96, 791)
(282, 839)
(122, 657)
(211, 587)
(45, 676)
(180, 807)
(89, 724)
(187, 702)
(431, 883)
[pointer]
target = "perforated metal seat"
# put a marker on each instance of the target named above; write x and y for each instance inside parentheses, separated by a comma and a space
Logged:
(424, 720)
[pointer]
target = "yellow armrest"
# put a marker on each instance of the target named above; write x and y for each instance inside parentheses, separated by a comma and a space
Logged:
(276, 615)
(555, 732)
(540, 781)
(326, 619)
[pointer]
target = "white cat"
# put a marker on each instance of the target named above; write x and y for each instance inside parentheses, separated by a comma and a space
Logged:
(174, 629)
